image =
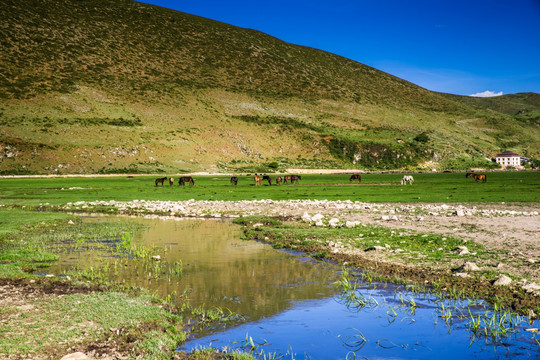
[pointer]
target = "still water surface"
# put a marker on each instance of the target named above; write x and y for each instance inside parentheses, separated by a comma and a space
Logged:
(291, 307)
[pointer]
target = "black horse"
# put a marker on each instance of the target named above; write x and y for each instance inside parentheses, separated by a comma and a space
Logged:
(355, 177)
(186, 179)
(161, 181)
(234, 180)
(267, 178)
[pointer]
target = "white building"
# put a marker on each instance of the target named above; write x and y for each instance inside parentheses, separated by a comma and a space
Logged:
(508, 158)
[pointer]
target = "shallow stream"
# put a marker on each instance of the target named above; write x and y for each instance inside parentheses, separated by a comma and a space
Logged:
(291, 307)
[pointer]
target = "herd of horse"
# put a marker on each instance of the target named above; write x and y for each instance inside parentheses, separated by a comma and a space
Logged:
(407, 179)
(279, 179)
(181, 181)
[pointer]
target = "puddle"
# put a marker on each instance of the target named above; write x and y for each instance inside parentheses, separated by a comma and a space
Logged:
(292, 309)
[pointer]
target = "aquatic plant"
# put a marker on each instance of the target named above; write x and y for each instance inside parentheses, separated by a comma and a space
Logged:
(354, 342)
(494, 325)
(351, 297)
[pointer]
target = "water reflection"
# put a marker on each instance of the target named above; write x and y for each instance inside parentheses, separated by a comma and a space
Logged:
(219, 269)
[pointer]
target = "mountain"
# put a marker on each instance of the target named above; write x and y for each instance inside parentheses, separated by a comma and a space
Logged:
(109, 86)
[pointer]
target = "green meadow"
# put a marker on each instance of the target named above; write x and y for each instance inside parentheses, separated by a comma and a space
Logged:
(428, 187)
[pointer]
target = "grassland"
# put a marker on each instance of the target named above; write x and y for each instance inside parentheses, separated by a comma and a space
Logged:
(428, 187)
(30, 232)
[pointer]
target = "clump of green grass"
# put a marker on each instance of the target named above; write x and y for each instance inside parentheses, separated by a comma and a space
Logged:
(96, 316)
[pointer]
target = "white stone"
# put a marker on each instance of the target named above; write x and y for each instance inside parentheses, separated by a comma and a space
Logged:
(503, 280)
(76, 356)
(470, 266)
(459, 212)
(334, 222)
(463, 250)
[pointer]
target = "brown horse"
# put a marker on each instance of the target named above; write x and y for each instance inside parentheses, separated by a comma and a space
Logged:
(286, 178)
(295, 178)
(279, 179)
(234, 180)
(355, 177)
(267, 178)
(186, 179)
(476, 176)
(161, 181)
(171, 181)
(258, 180)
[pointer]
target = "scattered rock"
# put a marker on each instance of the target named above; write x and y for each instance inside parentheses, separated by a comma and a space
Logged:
(376, 248)
(503, 280)
(306, 217)
(463, 250)
(76, 356)
(469, 266)
(532, 288)
(351, 224)
(334, 222)
(257, 225)
(462, 274)
(458, 212)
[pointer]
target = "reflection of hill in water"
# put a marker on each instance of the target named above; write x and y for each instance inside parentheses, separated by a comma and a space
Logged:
(246, 277)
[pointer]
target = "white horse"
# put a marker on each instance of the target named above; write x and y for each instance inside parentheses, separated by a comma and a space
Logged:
(407, 179)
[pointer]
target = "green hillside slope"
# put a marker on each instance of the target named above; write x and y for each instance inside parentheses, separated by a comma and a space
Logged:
(112, 86)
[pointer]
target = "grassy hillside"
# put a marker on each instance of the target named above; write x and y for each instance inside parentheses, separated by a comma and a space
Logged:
(118, 86)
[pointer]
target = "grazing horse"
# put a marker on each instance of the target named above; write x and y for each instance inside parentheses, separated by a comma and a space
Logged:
(268, 178)
(355, 177)
(476, 176)
(186, 179)
(161, 181)
(257, 179)
(295, 178)
(286, 178)
(279, 179)
(171, 181)
(234, 180)
(407, 179)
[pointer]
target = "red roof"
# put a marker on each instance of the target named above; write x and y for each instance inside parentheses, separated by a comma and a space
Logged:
(507, 154)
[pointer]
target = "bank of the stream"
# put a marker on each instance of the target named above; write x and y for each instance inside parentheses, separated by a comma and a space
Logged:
(380, 254)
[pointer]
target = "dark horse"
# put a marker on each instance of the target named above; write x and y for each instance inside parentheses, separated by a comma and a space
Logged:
(161, 181)
(186, 179)
(355, 177)
(234, 180)
(295, 178)
(476, 176)
(268, 178)
(279, 179)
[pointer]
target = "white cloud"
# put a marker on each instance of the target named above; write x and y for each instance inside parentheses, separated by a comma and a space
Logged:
(487, 93)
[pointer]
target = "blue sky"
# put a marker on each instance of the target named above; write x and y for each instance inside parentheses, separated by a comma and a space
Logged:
(453, 46)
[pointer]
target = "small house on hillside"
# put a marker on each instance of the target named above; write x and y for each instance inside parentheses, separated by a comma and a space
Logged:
(508, 158)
